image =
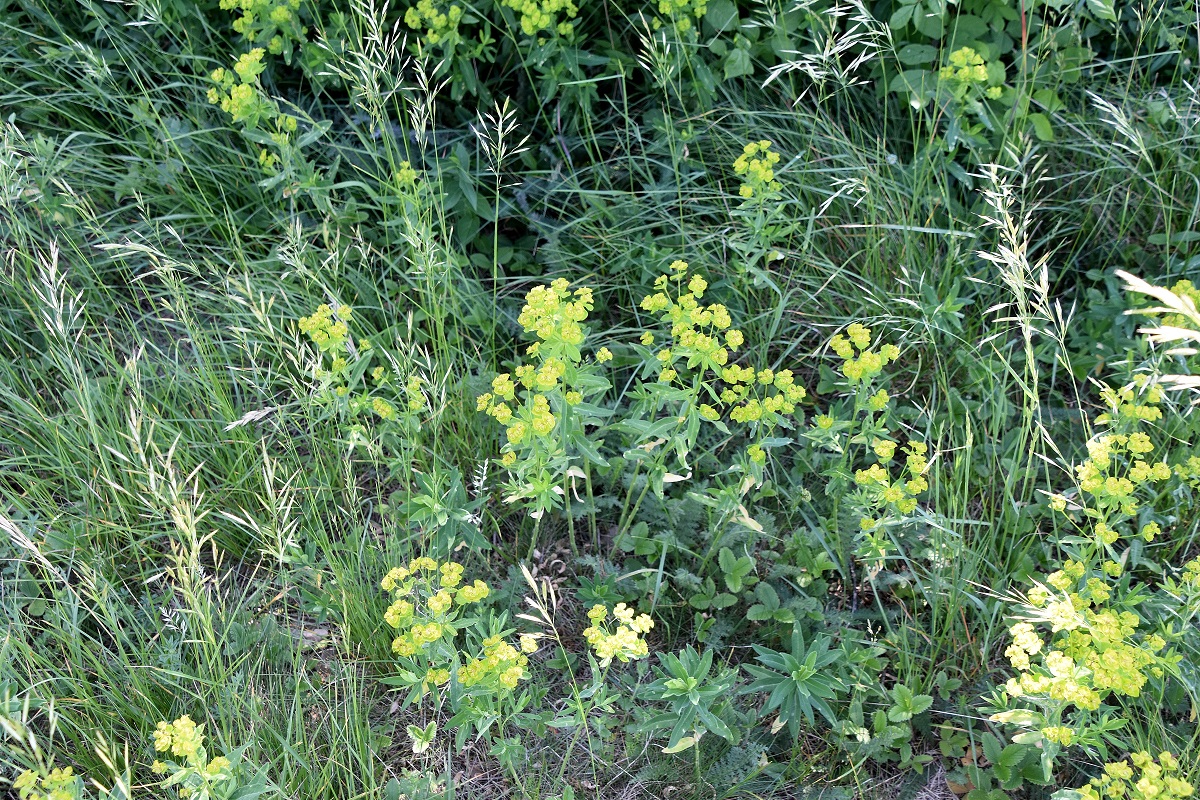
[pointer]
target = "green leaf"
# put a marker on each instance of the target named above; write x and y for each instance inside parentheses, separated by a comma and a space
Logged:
(967, 28)
(907, 704)
(992, 749)
(1042, 127)
(1104, 9)
(422, 738)
(932, 25)
(920, 82)
(251, 790)
(901, 16)
(722, 15)
(1012, 755)
(735, 569)
(1049, 99)
(683, 744)
(759, 613)
(767, 595)
(917, 54)
(587, 448)
(738, 64)
(723, 600)
(1021, 717)
(714, 724)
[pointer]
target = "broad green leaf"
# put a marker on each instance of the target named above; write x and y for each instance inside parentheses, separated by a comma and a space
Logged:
(917, 54)
(992, 748)
(722, 15)
(930, 24)
(726, 559)
(738, 64)
(767, 595)
(1012, 755)
(1049, 99)
(1042, 127)
(714, 724)
(759, 613)
(723, 600)
(900, 17)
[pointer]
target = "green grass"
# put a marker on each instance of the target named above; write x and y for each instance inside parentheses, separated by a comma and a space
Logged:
(187, 527)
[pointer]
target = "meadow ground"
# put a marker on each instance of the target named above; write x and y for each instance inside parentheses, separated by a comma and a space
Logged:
(539, 400)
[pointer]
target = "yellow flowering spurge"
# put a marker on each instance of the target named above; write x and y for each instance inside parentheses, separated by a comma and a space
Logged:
(553, 314)
(893, 497)
(970, 77)
(1079, 641)
(328, 330)
(861, 362)
(431, 604)
(342, 369)
(498, 667)
(269, 27)
(542, 403)
(884, 479)
(405, 177)
(271, 24)
(620, 637)
(1184, 290)
(965, 66)
(1140, 777)
(236, 91)
(756, 167)
(1120, 463)
(438, 19)
(181, 738)
(538, 16)
(1186, 585)
(698, 373)
(184, 761)
(1189, 471)
(680, 14)
(1079, 638)
(887, 498)
(56, 784)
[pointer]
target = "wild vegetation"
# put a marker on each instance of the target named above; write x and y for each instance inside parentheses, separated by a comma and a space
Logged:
(551, 399)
